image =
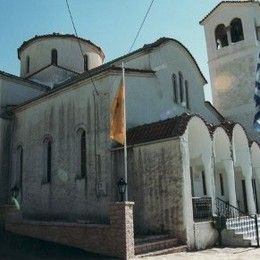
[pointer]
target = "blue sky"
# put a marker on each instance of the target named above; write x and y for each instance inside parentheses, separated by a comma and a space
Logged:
(111, 24)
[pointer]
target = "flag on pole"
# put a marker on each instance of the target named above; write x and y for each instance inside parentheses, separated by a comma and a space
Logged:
(257, 97)
(117, 126)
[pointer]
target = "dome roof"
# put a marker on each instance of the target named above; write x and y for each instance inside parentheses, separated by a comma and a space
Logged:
(57, 35)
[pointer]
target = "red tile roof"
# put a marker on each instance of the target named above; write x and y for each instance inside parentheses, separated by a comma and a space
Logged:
(172, 127)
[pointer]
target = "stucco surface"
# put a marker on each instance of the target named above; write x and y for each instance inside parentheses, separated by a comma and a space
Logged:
(69, 55)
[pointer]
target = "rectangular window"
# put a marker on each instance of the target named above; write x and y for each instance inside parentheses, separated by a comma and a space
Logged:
(181, 87)
(27, 64)
(255, 194)
(83, 153)
(192, 184)
(221, 184)
(244, 196)
(174, 85)
(49, 152)
(204, 183)
(187, 94)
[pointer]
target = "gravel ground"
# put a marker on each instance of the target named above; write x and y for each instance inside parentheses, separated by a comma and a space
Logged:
(214, 254)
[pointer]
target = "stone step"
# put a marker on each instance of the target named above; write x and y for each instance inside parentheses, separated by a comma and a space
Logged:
(172, 250)
(147, 239)
(155, 246)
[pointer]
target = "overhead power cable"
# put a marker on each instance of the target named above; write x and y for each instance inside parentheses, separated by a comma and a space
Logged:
(80, 47)
(141, 26)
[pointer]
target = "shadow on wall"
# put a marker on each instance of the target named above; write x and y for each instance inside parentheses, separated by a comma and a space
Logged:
(20, 247)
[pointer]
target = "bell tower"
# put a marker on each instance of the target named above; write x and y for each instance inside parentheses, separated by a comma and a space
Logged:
(232, 31)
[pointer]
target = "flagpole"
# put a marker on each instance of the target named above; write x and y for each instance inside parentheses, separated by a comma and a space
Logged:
(125, 144)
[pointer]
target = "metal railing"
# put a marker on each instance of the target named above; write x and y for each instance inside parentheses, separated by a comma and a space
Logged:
(241, 222)
(202, 208)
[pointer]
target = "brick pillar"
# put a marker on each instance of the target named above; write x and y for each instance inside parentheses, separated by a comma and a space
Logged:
(122, 229)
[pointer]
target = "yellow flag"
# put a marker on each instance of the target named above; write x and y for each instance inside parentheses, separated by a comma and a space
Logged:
(117, 128)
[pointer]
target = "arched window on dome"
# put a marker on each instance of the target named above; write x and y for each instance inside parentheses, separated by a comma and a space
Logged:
(47, 147)
(221, 36)
(54, 57)
(175, 90)
(85, 62)
(27, 64)
(237, 33)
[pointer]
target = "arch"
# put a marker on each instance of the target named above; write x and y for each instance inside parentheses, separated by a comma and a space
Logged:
(200, 151)
(255, 154)
(47, 149)
(240, 146)
(27, 64)
(223, 168)
(175, 90)
(221, 36)
(221, 145)
(86, 65)
(199, 138)
(237, 33)
(243, 169)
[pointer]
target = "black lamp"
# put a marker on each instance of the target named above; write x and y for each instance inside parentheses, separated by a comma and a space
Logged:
(121, 184)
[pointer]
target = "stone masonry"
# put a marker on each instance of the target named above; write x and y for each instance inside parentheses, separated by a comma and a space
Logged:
(114, 239)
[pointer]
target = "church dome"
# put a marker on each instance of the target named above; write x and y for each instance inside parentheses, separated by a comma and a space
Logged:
(72, 54)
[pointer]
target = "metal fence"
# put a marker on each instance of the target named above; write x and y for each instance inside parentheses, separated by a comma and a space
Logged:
(202, 208)
(239, 221)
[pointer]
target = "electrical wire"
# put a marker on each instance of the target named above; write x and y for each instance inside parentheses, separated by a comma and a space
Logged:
(80, 47)
(141, 26)
(131, 47)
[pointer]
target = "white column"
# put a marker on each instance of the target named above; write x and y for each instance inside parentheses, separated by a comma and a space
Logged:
(257, 181)
(228, 34)
(187, 196)
(229, 168)
(209, 176)
(247, 172)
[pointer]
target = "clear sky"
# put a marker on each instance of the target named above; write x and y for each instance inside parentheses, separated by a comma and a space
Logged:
(111, 24)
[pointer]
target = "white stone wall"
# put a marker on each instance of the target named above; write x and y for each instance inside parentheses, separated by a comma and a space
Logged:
(155, 97)
(156, 184)
(249, 15)
(205, 235)
(233, 68)
(61, 113)
(5, 140)
(60, 116)
(13, 92)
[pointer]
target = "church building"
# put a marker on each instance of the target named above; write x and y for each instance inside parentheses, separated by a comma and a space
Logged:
(188, 160)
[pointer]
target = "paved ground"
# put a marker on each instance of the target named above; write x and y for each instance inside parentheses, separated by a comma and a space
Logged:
(15, 247)
(214, 254)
